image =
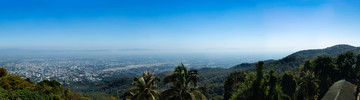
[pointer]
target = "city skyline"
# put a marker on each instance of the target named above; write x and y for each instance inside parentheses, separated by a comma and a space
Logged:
(179, 26)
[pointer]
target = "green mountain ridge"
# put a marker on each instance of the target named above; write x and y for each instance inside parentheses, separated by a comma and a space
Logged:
(211, 76)
(296, 59)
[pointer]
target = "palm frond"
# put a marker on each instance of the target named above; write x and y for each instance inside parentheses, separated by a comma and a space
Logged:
(184, 82)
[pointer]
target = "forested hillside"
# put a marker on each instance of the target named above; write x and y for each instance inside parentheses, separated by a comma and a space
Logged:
(294, 60)
(214, 77)
(13, 87)
(311, 82)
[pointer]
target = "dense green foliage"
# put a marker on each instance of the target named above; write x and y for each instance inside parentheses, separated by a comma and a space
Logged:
(213, 79)
(184, 85)
(311, 82)
(231, 83)
(262, 87)
(308, 86)
(296, 59)
(144, 88)
(288, 84)
(13, 87)
(3, 72)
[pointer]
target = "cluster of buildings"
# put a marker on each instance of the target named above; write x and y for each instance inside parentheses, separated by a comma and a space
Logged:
(69, 69)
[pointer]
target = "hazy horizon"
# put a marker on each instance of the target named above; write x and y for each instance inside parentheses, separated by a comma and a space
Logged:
(204, 26)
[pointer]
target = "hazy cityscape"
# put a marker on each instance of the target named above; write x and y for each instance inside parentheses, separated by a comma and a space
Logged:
(68, 69)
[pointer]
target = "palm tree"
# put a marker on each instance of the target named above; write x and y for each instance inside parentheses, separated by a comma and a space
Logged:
(184, 85)
(145, 86)
(308, 86)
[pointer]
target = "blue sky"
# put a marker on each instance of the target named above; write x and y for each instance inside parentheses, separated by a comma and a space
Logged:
(264, 26)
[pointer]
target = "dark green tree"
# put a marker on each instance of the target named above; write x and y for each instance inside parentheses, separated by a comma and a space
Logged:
(357, 65)
(274, 91)
(288, 84)
(308, 66)
(184, 85)
(244, 90)
(232, 80)
(308, 87)
(272, 82)
(144, 88)
(345, 63)
(326, 72)
(67, 93)
(3, 72)
(258, 87)
(324, 66)
(49, 87)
